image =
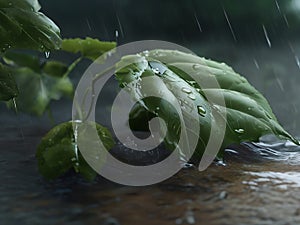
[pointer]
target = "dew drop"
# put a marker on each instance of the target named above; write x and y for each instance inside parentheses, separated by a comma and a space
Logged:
(76, 137)
(239, 131)
(192, 96)
(268, 115)
(15, 105)
(201, 110)
(155, 70)
(47, 55)
(157, 67)
(196, 66)
(146, 53)
(186, 90)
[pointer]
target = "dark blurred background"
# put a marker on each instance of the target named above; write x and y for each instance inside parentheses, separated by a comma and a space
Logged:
(258, 38)
(176, 20)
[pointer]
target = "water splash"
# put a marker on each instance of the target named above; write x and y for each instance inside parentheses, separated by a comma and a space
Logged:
(279, 179)
(268, 148)
(267, 36)
(229, 24)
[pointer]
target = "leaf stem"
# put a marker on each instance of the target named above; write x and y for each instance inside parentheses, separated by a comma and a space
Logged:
(72, 66)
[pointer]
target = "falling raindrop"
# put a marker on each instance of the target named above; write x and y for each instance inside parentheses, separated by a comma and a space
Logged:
(278, 7)
(266, 36)
(239, 131)
(14, 102)
(76, 137)
(201, 110)
(186, 90)
(89, 25)
(15, 105)
(295, 56)
(116, 34)
(286, 20)
(256, 63)
(280, 84)
(229, 24)
(120, 25)
(297, 61)
(47, 55)
(197, 21)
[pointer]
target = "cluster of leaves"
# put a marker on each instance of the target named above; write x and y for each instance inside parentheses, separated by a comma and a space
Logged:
(248, 114)
(31, 83)
(57, 153)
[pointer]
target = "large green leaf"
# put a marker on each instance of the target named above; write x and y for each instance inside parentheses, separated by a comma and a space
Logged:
(249, 116)
(38, 89)
(22, 26)
(21, 59)
(8, 86)
(56, 153)
(89, 47)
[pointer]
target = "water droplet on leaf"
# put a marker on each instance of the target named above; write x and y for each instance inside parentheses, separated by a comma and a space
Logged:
(239, 131)
(157, 67)
(186, 90)
(196, 66)
(201, 110)
(192, 96)
(47, 55)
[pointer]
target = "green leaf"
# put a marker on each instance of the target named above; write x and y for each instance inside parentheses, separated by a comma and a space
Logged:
(22, 26)
(55, 68)
(249, 116)
(30, 5)
(56, 154)
(38, 89)
(21, 59)
(8, 86)
(89, 48)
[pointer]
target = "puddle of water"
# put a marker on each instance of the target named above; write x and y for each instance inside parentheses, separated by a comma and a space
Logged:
(278, 179)
(246, 191)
